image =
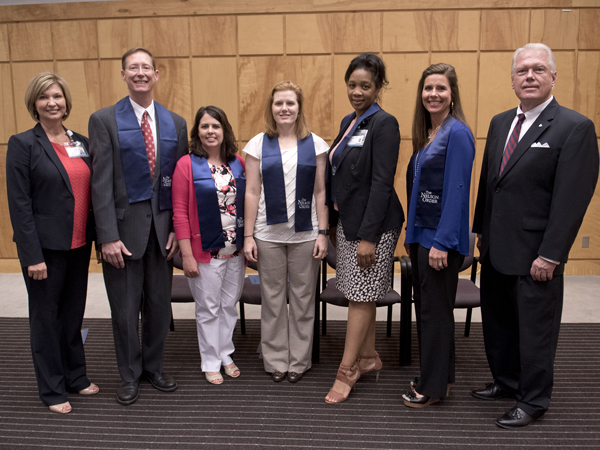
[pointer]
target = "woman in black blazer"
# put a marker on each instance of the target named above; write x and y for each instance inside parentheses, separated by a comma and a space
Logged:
(48, 185)
(365, 215)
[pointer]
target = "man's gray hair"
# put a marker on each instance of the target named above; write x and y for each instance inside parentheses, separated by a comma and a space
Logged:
(535, 46)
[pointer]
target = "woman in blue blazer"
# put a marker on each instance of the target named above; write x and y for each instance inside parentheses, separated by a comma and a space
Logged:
(438, 183)
(48, 185)
(365, 215)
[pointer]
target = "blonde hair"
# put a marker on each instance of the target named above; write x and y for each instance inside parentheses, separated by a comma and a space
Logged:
(38, 85)
(301, 127)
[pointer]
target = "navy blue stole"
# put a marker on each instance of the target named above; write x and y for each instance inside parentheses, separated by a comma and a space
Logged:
(134, 158)
(337, 156)
(432, 163)
(209, 214)
(272, 171)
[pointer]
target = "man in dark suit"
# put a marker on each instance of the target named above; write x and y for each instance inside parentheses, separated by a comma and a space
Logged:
(538, 176)
(134, 146)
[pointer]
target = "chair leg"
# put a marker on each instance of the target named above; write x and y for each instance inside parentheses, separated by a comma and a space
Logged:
(324, 319)
(468, 322)
(389, 321)
(242, 318)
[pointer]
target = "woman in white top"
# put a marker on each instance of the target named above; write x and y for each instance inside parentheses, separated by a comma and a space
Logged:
(286, 229)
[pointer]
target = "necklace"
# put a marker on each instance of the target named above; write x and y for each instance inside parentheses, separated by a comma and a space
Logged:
(418, 162)
(433, 133)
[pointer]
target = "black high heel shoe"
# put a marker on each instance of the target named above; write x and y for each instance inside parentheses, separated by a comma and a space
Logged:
(412, 401)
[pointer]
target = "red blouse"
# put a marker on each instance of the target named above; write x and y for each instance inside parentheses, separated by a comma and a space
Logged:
(79, 176)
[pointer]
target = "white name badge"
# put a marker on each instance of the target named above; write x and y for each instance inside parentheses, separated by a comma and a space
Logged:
(358, 138)
(75, 149)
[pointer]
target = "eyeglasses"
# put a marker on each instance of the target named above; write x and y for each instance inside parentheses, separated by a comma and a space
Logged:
(145, 68)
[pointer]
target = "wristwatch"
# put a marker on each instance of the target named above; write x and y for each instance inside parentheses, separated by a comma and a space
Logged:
(325, 232)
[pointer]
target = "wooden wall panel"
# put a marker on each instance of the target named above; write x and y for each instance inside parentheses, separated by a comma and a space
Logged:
(8, 249)
(30, 41)
(260, 35)
(587, 87)
(564, 87)
(589, 32)
(475, 175)
(406, 31)
(341, 104)
(113, 88)
(213, 36)
(115, 37)
(313, 75)
(7, 119)
(466, 66)
(404, 72)
(555, 28)
(455, 30)
(22, 73)
(214, 82)
(4, 50)
(257, 75)
(84, 83)
(590, 228)
(346, 39)
(167, 36)
(75, 40)
(504, 29)
(173, 88)
(308, 33)
(495, 91)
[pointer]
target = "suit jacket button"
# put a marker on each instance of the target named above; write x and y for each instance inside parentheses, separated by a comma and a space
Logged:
(497, 190)
(148, 215)
(352, 166)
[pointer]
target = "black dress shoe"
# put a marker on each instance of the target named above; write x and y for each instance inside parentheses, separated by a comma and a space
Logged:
(161, 381)
(412, 401)
(129, 392)
(515, 418)
(491, 392)
(294, 377)
(278, 376)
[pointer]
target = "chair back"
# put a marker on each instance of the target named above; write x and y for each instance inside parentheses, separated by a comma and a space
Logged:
(469, 259)
(178, 261)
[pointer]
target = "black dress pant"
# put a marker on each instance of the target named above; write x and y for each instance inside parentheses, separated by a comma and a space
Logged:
(56, 307)
(143, 285)
(434, 296)
(521, 322)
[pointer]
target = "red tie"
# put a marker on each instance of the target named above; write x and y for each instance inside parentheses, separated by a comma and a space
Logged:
(512, 142)
(149, 140)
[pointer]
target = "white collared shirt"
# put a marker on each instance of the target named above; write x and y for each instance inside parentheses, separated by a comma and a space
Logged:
(139, 112)
(530, 117)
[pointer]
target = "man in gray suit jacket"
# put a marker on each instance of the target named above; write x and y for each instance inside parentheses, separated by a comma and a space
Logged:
(538, 175)
(134, 146)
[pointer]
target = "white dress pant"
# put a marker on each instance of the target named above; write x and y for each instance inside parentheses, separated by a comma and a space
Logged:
(216, 292)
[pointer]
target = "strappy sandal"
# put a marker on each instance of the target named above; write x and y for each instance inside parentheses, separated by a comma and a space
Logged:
(92, 389)
(375, 365)
(61, 408)
(232, 370)
(215, 378)
(342, 377)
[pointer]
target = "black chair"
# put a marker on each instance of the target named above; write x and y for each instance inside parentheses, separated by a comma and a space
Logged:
(250, 296)
(333, 296)
(467, 293)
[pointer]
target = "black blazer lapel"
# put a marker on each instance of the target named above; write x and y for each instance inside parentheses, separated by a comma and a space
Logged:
(47, 146)
(532, 135)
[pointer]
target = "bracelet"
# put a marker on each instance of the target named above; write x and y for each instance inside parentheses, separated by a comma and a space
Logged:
(325, 232)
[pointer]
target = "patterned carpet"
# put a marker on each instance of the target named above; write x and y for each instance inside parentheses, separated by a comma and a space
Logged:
(254, 412)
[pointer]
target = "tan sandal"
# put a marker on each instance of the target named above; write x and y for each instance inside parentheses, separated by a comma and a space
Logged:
(92, 389)
(214, 377)
(61, 408)
(375, 365)
(231, 370)
(345, 375)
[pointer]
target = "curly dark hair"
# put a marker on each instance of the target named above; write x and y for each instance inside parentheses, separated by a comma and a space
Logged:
(229, 146)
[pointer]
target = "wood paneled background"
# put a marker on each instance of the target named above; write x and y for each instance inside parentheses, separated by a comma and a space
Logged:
(230, 53)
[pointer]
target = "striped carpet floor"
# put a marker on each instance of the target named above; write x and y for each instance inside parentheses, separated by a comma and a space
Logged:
(253, 412)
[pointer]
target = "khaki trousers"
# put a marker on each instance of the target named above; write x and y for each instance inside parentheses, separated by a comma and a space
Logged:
(287, 333)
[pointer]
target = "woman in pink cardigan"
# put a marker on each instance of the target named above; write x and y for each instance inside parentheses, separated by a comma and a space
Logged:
(211, 180)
